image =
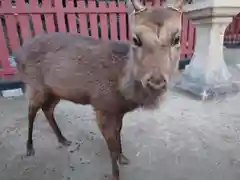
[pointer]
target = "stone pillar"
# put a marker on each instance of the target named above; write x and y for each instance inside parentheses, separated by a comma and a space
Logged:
(207, 76)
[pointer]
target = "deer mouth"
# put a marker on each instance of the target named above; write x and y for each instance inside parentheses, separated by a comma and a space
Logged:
(157, 84)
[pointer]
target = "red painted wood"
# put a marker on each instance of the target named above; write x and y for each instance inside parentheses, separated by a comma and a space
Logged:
(46, 3)
(93, 20)
(103, 22)
(50, 23)
(60, 16)
(34, 3)
(6, 4)
(83, 24)
(12, 31)
(72, 23)
(191, 42)
(184, 42)
(123, 24)
(37, 24)
(4, 51)
(49, 18)
(20, 4)
(7, 71)
(113, 21)
(24, 26)
(113, 25)
(81, 4)
(60, 9)
(82, 19)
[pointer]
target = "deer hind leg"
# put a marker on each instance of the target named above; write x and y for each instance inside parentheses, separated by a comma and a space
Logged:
(35, 101)
(48, 109)
(123, 160)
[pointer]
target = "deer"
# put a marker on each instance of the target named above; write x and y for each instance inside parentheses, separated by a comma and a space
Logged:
(114, 77)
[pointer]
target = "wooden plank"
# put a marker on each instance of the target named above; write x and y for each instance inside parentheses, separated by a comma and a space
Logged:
(113, 21)
(104, 26)
(82, 20)
(7, 71)
(37, 24)
(123, 23)
(24, 26)
(6, 4)
(184, 42)
(83, 24)
(20, 4)
(93, 19)
(34, 3)
(72, 23)
(11, 24)
(4, 50)
(68, 10)
(50, 23)
(46, 3)
(103, 22)
(190, 39)
(60, 16)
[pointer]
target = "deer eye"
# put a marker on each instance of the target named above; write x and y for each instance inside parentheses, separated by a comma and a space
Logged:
(176, 40)
(137, 41)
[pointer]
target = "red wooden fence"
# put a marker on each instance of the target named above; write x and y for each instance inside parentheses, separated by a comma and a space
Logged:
(21, 21)
(232, 33)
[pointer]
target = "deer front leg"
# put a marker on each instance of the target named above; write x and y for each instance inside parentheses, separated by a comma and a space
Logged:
(108, 126)
(123, 160)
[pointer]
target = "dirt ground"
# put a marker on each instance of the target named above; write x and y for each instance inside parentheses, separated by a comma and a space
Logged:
(183, 139)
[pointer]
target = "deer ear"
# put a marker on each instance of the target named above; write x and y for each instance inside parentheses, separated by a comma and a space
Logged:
(180, 3)
(134, 5)
(130, 7)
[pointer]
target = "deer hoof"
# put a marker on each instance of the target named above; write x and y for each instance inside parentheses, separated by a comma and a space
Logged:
(115, 178)
(123, 160)
(30, 152)
(65, 142)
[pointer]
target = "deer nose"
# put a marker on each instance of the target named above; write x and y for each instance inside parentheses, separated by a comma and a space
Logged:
(156, 82)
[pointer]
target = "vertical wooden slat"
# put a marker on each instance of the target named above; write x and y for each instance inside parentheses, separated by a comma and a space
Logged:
(24, 26)
(49, 18)
(20, 4)
(46, 3)
(60, 16)
(184, 43)
(113, 21)
(4, 50)
(50, 23)
(6, 4)
(83, 24)
(93, 19)
(122, 22)
(238, 28)
(82, 20)
(37, 24)
(72, 23)
(190, 39)
(12, 31)
(103, 22)
(34, 3)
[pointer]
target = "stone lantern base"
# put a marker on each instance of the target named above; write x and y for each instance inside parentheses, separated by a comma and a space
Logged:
(207, 76)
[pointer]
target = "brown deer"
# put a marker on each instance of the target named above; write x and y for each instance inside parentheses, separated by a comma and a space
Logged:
(114, 77)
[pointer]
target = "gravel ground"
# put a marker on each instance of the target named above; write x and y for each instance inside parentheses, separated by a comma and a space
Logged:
(183, 139)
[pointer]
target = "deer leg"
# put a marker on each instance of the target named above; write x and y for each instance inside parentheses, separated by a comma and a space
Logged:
(107, 125)
(32, 111)
(35, 101)
(123, 160)
(48, 109)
